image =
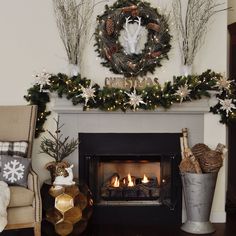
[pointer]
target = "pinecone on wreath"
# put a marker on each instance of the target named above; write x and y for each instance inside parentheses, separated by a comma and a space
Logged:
(110, 26)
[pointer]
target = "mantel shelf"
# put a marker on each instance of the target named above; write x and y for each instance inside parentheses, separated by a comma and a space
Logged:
(63, 106)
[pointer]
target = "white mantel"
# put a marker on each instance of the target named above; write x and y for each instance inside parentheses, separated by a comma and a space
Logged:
(202, 126)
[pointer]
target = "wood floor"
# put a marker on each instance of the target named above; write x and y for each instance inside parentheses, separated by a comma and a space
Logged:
(228, 229)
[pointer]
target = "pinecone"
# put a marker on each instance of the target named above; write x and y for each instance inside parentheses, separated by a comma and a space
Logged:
(199, 150)
(110, 26)
(154, 26)
(211, 161)
(155, 54)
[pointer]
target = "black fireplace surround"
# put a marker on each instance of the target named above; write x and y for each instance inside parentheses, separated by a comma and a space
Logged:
(95, 148)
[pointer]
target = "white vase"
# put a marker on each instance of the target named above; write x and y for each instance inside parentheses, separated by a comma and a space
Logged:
(186, 70)
(73, 70)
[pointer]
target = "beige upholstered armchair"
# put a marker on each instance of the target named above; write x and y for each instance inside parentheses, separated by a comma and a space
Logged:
(17, 123)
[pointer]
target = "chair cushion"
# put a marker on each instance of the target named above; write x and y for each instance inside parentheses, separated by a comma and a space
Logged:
(20, 215)
(20, 196)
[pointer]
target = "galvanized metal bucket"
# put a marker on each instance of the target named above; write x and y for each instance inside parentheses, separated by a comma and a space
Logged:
(198, 194)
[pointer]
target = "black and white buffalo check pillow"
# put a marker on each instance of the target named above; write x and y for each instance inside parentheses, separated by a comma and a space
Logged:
(19, 149)
(5, 148)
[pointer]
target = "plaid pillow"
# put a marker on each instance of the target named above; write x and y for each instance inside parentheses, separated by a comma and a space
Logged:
(19, 149)
(5, 149)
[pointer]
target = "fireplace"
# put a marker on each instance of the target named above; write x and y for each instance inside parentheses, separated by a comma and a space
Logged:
(134, 177)
(203, 128)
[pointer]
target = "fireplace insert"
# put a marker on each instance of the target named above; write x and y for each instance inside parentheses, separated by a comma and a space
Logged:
(134, 177)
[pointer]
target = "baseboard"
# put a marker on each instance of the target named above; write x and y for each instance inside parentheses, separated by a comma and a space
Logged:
(218, 217)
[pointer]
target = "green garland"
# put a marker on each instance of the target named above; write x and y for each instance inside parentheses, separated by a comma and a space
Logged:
(110, 49)
(112, 99)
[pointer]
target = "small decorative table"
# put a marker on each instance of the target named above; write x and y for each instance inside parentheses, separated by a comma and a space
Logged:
(67, 208)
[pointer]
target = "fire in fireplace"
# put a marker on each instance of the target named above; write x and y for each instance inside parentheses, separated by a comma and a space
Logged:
(130, 188)
(128, 180)
(132, 176)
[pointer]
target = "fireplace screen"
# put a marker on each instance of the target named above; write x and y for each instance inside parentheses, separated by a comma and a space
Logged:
(129, 179)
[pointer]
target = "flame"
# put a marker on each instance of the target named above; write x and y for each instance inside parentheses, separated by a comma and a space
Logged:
(130, 182)
(145, 179)
(116, 183)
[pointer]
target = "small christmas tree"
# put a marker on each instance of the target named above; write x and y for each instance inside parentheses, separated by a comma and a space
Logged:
(58, 147)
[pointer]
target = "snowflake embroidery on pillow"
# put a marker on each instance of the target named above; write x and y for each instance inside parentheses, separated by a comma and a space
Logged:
(13, 171)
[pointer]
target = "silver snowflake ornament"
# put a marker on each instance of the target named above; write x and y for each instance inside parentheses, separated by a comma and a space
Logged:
(13, 171)
(227, 105)
(223, 83)
(183, 92)
(88, 93)
(42, 79)
(134, 99)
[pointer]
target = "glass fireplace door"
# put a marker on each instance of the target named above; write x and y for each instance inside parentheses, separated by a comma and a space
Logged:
(130, 179)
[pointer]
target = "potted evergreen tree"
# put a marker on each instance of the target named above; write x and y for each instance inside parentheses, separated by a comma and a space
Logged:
(58, 148)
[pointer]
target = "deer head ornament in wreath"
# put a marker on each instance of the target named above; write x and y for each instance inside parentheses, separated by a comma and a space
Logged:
(132, 38)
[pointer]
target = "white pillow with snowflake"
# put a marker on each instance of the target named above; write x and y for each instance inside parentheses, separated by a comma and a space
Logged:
(15, 170)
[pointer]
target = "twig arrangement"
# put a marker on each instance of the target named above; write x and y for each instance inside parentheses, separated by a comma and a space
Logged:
(73, 21)
(192, 27)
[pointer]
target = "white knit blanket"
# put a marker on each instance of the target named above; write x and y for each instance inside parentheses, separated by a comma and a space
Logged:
(4, 202)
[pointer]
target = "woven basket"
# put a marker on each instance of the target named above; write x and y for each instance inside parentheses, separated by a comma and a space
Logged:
(211, 161)
(199, 150)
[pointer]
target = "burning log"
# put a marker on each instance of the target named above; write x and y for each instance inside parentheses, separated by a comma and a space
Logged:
(111, 181)
(150, 189)
(130, 188)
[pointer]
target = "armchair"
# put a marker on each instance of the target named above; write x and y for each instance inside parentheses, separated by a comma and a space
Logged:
(24, 211)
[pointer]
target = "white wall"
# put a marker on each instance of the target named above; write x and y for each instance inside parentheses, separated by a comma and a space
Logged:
(30, 43)
(208, 57)
(232, 11)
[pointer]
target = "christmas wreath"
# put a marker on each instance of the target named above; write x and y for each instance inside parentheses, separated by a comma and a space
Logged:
(115, 25)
